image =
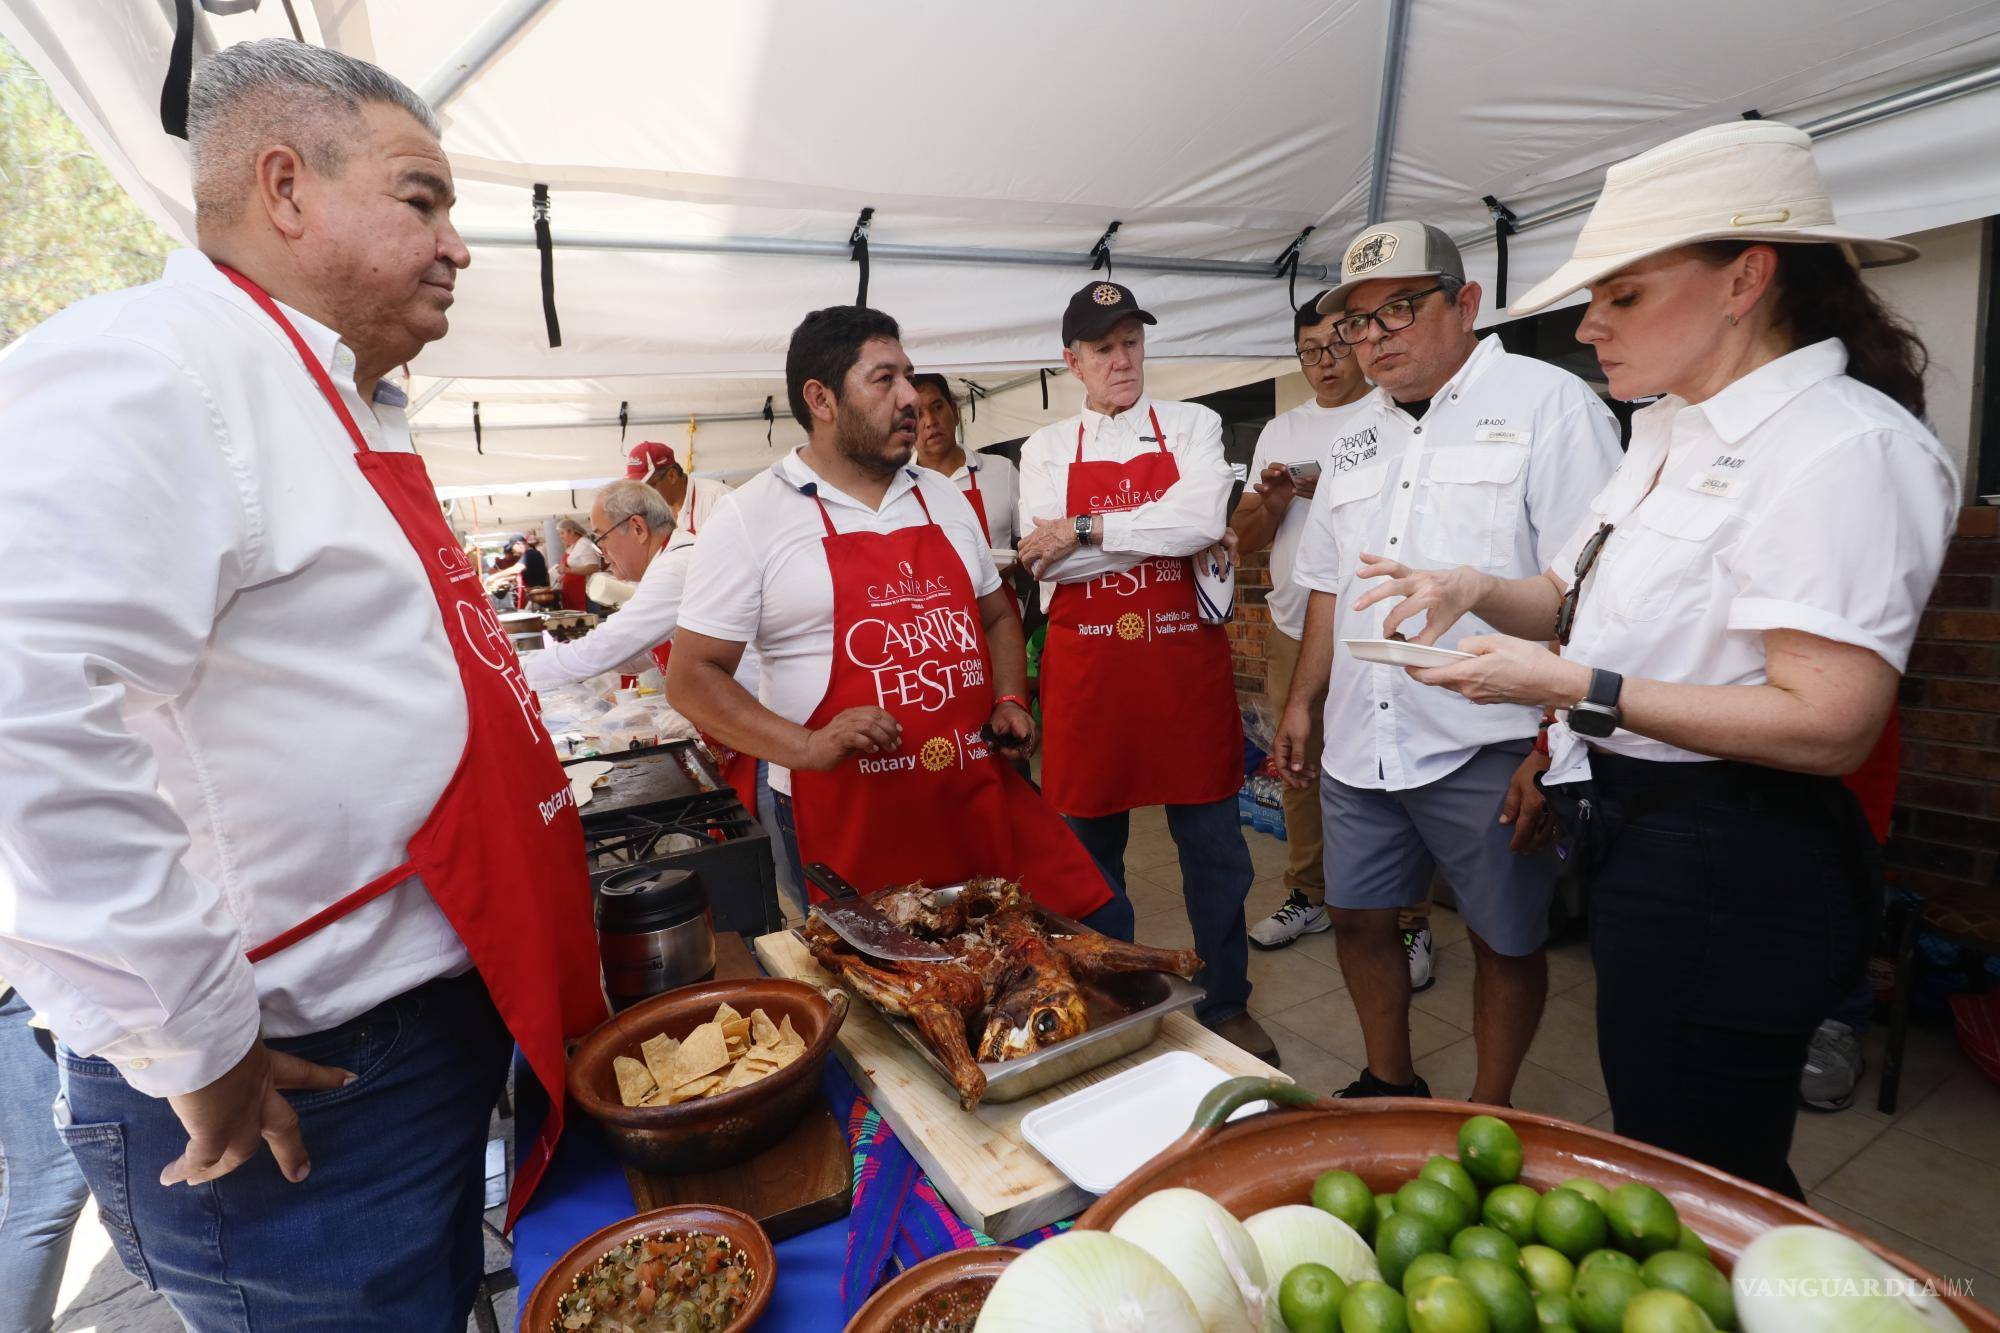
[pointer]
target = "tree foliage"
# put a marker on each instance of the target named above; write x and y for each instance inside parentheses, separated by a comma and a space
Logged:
(67, 229)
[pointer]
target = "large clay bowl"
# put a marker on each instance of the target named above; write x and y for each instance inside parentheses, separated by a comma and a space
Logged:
(710, 1132)
(739, 1228)
(974, 1269)
(1266, 1160)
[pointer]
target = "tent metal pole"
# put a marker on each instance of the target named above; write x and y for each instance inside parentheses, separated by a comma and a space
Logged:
(1385, 110)
(1882, 108)
(879, 251)
(509, 19)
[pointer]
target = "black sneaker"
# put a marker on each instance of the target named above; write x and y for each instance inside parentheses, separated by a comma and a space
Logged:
(1370, 1086)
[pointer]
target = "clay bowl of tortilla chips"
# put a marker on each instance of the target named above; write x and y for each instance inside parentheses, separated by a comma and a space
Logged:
(722, 1070)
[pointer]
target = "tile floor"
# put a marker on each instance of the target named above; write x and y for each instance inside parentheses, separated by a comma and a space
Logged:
(1925, 1181)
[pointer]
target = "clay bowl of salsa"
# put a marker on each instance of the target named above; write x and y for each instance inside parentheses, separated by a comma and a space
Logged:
(943, 1294)
(688, 1267)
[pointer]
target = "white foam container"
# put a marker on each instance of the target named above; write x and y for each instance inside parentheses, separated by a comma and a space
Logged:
(1105, 1132)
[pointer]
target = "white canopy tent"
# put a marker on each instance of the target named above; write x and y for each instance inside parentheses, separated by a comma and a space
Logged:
(707, 166)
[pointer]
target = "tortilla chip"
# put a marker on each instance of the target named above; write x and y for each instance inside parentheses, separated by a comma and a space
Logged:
(658, 1052)
(763, 1032)
(635, 1082)
(700, 1087)
(703, 1052)
(725, 1014)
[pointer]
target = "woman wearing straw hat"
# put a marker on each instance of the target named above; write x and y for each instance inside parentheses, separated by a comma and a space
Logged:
(1733, 617)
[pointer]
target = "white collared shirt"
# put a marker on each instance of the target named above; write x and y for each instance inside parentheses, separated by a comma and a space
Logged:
(226, 695)
(1189, 518)
(1302, 435)
(1797, 498)
(999, 492)
(760, 576)
(1499, 470)
(583, 552)
(703, 495)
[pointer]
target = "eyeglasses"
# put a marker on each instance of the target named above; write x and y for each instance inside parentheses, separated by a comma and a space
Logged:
(1586, 560)
(598, 537)
(1312, 356)
(1393, 316)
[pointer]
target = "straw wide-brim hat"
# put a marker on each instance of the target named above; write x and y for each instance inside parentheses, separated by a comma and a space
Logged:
(1748, 180)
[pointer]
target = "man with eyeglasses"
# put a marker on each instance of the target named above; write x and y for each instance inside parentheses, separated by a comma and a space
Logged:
(1272, 513)
(1463, 454)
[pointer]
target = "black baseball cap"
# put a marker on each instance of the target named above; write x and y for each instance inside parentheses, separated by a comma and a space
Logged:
(1096, 307)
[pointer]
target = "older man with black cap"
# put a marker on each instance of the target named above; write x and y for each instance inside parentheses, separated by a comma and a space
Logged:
(1463, 454)
(1138, 698)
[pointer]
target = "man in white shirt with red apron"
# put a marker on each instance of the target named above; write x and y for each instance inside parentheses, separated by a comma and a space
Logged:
(1138, 698)
(281, 816)
(692, 499)
(893, 664)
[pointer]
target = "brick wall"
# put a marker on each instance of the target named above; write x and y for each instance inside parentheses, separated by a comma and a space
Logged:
(1252, 622)
(1947, 826)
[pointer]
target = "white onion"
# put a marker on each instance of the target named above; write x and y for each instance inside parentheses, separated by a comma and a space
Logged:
(1087, 1282)
(1298, 1233)
(1801, 1277)
(1210, 1253)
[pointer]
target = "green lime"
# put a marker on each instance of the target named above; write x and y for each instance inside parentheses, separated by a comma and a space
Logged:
(1425, 1267)
(1588, 1188)
(1511, 1208)
(1695, 1278)
(1436, 1204)
(1661, 1311)
(1567, 1221)
(1371, 1307)
(1642, 1221)
(1691, 1243)
(1486, 1243)
(1549, 1272)
(1454, 1178)
(1446, 1305)
(1402, 1238)
(1553, 1315)
(1600, 1296)
(1510, 1306)
(1612, 1258)
(1490, 1150)
(1348, 1198)
(1385, 1204)
(1309, 1299)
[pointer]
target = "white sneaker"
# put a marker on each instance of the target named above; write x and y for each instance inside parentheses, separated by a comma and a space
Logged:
(1417, 948)
(1297, 917)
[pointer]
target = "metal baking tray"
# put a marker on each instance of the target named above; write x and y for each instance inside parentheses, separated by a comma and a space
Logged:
(651, 780)
(1133, 1004)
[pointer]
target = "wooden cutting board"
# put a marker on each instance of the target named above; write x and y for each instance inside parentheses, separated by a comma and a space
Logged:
(803, 1180)
(979, 1160)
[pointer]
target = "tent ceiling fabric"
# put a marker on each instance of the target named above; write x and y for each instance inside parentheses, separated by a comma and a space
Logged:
(1025, 126)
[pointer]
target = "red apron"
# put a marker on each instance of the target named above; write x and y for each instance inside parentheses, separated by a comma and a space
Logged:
(944, 808)
(978, 502)
(1138, 696)
(502, 851)
(574, 598)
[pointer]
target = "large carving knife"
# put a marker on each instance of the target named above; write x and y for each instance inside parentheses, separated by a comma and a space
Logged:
(851, 917)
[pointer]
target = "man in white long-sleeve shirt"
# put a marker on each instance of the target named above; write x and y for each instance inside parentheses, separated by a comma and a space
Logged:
(1138, 697)
(634, 528)
(274, 804)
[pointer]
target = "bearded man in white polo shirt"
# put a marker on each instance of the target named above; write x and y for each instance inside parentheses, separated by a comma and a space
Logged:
(1463, 454)
(280, 815)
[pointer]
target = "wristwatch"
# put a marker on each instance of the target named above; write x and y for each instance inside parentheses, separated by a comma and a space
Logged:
(1596, 714)
(1086, 527)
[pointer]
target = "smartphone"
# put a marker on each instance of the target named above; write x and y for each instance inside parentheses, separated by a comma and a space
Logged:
(1303, 473)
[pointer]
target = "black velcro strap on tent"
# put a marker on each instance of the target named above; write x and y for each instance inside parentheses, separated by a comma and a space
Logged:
(546, 245)
(624, 416)
(1503, 227)
(1044, 373)
(572, 499)
(478, 435)
(857, 242)
(1100, 254)
(770, 420)
(180, 72)
(1288, 264)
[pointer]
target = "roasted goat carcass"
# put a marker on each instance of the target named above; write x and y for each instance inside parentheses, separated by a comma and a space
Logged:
(1012, 987)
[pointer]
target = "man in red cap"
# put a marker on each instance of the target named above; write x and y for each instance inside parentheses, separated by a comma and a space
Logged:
(654, 463)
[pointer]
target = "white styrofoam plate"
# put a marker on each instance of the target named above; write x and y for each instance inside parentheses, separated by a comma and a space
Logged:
(1395, 652)
(1105, 1132)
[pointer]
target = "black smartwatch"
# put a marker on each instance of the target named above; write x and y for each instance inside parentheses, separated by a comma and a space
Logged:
(1596, 714)
(1084, 528)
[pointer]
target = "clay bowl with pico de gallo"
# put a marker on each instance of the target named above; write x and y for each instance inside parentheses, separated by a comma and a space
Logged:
(690, 1268)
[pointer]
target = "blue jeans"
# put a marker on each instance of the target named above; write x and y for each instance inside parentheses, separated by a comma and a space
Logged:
(385, 1232)
(791, 889)
(1215, 879)
(41, 1191)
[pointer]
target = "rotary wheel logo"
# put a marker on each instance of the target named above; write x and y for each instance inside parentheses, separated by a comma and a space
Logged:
(937, 754)
(1105, 294)
(1130, 626)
